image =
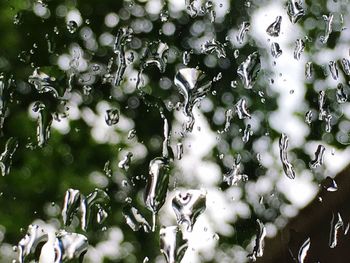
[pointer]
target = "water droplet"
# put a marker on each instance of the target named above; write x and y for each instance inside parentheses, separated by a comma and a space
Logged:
(112, 117)
(287, 166)
(145, 260)
(131, 134)
(123, 37)
(299, 48)
(258, 249)
(236, 53)
(242, 109)
(101, 214)
(213, 45)
(75, 202)
(188, 205)
(43, 123)
(303, 250)
(328, 119)
(319, 155)
(135, 219)
(191, 9)
(235, 175)
(28, 244)
(72, 26)
(295, 10)
(179, 150)
(346, 231)
(186, 57)
(321, 103)
(346, 66)
(242, 31)
(329, 22)
(6, 156)
(157, 186)
(234, 84)
(17, 19)
(276, 51)
(228, 118)
(87, 90)
(125, 162)
(43, 83)
(156, 54)
(70, 246)
(329, 184)
(70, 206)
(248, 70)
(193, 87)
(333, 69)
(308, 70)
(247, 133)
(275, 28)
(164, 15)
(336, 223)
(107, 169)
(172, 244)
(308, 117)
(341, 96)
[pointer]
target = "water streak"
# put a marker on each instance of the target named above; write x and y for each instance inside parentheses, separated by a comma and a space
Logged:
(336, 223)
(299, 48)
(123, 37)
(319, 156)
(6, 156)
(287, 166)
(329, 23)
(303, 250)
(258, 249)
(193, 87)
(5, 96)
(157, 186)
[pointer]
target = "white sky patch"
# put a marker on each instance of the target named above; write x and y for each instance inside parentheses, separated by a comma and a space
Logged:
(289, 72)
(300, 191)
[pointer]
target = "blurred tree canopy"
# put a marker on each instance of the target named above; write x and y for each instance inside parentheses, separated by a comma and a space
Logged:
(74, 60)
